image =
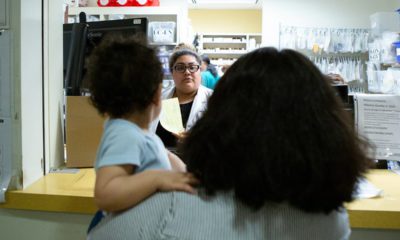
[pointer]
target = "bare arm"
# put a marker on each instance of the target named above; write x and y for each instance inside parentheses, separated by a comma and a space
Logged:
(176, 163)
(117, 189)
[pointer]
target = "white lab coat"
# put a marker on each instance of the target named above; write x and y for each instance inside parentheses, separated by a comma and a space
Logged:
(198, 107)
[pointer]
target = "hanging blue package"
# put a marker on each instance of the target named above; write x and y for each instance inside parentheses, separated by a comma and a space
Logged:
(397, 45)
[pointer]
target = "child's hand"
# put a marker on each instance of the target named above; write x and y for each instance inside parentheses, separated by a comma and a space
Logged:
(176, 181)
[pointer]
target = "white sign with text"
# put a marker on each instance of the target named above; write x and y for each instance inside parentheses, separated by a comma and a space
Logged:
(377, 117)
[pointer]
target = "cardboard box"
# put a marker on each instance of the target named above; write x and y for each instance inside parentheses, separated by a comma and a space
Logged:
(84, 127)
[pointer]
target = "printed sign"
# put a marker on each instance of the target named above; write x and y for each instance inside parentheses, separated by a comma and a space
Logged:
(378, 119)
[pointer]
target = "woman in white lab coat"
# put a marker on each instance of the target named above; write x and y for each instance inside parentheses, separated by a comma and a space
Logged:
(184, 65)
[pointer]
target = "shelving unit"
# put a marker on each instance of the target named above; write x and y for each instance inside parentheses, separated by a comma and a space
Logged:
(154, 14)
(331, 51)
(224, 49)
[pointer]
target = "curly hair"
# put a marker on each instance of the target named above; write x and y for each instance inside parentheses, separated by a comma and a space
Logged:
(123, 75)
(274, 131)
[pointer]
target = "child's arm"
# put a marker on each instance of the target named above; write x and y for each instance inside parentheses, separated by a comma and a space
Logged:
(176, 163)
(117, 189)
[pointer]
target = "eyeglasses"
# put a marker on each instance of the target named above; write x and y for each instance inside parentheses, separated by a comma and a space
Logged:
(181, 68)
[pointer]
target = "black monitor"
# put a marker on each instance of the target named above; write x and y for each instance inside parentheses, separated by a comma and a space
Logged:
(342, 91)
(81, 38)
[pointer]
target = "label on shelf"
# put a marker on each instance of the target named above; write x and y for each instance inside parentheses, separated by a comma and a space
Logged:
(162, 32)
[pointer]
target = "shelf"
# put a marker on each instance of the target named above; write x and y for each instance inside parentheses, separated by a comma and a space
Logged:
(153, 14)
(237, 45)
(224, 42)
(163, 44)
(124, 10)
(226, 48)
(235, 53)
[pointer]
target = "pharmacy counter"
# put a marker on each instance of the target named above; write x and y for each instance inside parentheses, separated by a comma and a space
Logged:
(381, 212)
(70, 192)
(73, 193)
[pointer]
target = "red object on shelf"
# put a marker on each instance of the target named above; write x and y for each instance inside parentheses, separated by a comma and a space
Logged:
(128, 3)
(106, 3)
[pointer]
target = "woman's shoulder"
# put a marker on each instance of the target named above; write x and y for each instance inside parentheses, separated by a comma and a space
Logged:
(183, 216)
(211, 217)
(208, 79)
(215, 215)
(207, 74)
(204, 91)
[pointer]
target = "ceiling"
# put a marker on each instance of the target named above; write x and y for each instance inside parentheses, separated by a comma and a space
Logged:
(224, 4)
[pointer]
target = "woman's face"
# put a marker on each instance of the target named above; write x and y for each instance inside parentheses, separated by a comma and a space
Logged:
(186, 81)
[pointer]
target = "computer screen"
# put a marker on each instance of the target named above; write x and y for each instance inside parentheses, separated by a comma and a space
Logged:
(81, 38)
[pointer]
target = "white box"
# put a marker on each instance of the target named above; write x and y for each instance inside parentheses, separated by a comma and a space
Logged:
(385, 21)
(162, 32)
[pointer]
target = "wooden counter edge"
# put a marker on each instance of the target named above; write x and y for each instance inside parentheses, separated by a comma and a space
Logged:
(38, 200)
(374, 219)
(50, 203)
(85, 205)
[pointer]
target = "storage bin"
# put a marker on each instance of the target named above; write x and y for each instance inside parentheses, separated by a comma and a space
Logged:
(384, 21)
(374, 81)
(386, 82)
(397, 46)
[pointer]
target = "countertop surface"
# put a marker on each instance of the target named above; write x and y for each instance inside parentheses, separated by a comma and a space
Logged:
(72, 191)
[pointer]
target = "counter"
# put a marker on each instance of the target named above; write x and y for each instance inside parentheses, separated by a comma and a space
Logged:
(73, 193)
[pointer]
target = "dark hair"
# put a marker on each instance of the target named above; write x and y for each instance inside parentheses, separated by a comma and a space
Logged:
(275, 131)
(123, 75)
(210, 67)
(182, 52)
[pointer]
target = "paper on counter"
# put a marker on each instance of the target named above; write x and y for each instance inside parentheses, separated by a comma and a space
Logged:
(397, 171)
(367, 190)
(170, 116)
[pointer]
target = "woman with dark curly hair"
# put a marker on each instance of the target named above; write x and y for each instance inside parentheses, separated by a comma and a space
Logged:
(125, 77)
(276, 156)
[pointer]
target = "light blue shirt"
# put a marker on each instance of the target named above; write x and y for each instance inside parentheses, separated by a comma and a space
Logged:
(125, 143)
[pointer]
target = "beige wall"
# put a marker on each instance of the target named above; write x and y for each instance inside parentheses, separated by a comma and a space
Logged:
(225, 21)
